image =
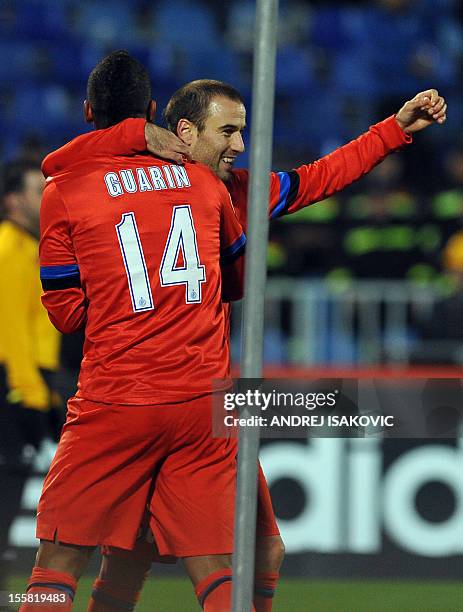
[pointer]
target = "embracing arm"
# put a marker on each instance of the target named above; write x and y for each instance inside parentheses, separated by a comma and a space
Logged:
(124, 138)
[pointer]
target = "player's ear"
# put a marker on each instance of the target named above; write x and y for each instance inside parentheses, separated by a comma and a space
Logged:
(186, 131)
(151, 111)
(88, 112)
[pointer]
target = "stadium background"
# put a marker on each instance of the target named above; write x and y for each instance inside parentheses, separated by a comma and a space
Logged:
(366, 279)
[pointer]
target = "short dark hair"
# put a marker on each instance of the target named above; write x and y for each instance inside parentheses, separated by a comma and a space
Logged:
(193, 99)
(118, 87)
(13, 174)
(12, 180)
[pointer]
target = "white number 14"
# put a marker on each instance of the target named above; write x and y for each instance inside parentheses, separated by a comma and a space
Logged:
(180, 241)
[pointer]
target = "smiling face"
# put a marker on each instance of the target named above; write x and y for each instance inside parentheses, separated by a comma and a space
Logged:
(221, 141)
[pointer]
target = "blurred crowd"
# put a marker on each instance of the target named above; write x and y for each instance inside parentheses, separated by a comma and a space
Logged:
(385, 226)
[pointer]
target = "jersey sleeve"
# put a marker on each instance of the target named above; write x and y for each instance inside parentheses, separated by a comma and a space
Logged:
(124, 138)
(18, 345)
(232, 248)
(63, 295)
(291, 191)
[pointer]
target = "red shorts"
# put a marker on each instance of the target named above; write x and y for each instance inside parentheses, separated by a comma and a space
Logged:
(112, 461)
(146, 549)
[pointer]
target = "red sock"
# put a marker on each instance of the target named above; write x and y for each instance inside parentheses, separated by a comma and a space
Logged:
(214, 592)
(264, 589)
(121, 578)
(108, 596)
(49, 591)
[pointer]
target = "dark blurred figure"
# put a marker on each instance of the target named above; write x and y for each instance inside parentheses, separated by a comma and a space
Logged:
(453, 164)
(29, 344)
(33, 149)
(442, 330)
(387, 233)
(446, 204)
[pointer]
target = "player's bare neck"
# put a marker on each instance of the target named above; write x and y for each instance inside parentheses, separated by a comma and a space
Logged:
(103, 124)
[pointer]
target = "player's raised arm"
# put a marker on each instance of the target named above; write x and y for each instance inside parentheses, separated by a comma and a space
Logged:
(63, 296)
(291, 191)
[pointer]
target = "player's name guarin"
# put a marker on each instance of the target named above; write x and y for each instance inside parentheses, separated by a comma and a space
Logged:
(152, 178)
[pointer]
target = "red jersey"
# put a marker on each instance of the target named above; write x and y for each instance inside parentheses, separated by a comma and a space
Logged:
(131, 248)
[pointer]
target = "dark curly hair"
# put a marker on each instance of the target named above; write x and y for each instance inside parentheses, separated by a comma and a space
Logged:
(118, 87)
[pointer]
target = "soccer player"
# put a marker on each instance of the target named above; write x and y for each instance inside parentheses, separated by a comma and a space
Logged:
(131, 249)
(210, 116)
(29, 344)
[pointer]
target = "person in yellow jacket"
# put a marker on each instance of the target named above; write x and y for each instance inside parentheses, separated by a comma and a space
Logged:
(29, 344)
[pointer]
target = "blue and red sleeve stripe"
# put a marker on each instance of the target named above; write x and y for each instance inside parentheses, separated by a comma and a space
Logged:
(234, 251)
(289, 189)
(60, 277)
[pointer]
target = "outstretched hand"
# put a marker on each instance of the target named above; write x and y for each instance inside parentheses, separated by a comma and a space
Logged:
(426, 108)
(165, 144)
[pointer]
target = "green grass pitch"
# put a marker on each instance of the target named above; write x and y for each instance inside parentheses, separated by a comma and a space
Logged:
(176, 595)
